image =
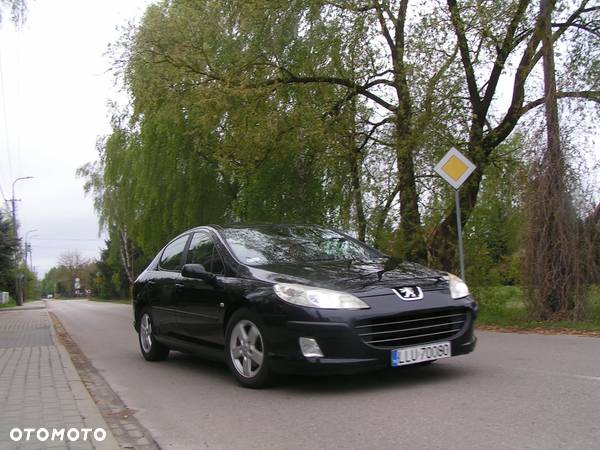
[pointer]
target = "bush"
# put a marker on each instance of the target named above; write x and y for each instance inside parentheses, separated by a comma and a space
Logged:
(500, 305)
(505, 306)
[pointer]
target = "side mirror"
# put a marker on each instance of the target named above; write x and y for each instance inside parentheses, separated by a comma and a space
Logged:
(199, 272)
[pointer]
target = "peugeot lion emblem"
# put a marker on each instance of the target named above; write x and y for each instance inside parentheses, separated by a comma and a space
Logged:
(409, 293)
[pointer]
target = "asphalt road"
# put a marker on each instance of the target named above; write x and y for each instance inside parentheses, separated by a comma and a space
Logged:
(516, 391)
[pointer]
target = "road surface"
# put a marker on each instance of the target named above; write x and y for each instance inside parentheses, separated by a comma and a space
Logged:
(516, 391)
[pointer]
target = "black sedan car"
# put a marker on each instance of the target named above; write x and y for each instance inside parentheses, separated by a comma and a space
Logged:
(297, 298)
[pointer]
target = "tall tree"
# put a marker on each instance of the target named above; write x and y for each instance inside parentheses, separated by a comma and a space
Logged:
(110, 204)
(509, 34)
(8, 247)
(353, 58)
(557, 252)
(325, 111)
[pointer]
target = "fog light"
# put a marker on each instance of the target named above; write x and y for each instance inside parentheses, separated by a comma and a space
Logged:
(310, 348)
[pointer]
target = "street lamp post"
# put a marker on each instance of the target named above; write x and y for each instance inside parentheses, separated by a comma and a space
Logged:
(18, 287)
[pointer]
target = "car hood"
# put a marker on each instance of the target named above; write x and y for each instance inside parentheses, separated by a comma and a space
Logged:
(363, 276)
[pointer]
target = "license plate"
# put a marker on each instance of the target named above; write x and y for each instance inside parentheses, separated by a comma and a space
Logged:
(412, 355)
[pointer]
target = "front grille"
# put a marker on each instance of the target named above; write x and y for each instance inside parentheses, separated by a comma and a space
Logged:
(412, 329)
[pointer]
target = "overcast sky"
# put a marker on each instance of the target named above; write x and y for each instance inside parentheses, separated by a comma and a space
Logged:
(53, 106)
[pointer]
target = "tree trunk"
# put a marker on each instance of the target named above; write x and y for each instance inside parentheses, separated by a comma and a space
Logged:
(356, 161)
(553, 155)
(552, 125)
(554, 275)
(361, 220)
(409, 240)
(126, 257)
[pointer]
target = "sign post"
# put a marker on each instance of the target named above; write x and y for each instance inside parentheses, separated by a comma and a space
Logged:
(461, 254)
(455, 168)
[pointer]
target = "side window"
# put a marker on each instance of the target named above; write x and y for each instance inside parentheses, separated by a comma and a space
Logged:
(217, 263)
(203, 251)
(171, 256)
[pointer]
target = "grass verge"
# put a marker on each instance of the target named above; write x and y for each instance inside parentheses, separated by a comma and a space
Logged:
(504, 307)
(10, 304)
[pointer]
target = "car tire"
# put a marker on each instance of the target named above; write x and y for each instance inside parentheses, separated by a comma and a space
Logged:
(152, 350)
(246, 350)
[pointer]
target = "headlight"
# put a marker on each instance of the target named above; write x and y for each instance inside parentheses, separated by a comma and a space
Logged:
(458, 288)
(301, 295)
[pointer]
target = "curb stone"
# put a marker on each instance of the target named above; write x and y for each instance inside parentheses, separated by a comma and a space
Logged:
(125, 428)
(85, 403)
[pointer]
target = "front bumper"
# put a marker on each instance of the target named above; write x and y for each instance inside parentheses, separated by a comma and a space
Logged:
(343, 348)
(333, 366)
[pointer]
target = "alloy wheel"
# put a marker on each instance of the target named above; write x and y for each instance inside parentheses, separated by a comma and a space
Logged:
(146, 333)
(246, 348)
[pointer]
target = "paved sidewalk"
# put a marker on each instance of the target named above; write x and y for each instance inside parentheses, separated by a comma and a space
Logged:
(41, 390)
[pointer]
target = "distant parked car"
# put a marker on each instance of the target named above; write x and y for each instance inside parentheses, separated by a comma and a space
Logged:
(297, 298)
(49, 296)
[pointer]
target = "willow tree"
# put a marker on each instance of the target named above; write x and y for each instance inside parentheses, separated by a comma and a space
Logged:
(188, 153)
(273, 86)
(325, 111)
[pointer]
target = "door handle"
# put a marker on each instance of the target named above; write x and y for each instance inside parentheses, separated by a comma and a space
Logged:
(151, 283)
(179, 285)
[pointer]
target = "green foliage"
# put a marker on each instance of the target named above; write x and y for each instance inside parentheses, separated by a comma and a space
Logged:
(193, 153)
(314, 111)
(59, 280)
(8, 247)
(31, 285)
(10, 304)
(505, 306)
(500, 305)
(492, 234)
(49, 282)
(110, 280)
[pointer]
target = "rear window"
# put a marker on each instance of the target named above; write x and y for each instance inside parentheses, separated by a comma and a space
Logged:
(172, 254)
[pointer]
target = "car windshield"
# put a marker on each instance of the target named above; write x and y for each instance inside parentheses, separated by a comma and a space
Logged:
(292, 245)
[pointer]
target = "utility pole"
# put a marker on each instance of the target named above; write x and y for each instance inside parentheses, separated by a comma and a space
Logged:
(28, 248)
(18, 286)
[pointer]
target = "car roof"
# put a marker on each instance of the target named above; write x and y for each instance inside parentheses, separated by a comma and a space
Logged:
(264, 225)
(258, 226)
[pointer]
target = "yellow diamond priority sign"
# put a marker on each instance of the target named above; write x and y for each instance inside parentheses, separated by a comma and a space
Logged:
(455, 168)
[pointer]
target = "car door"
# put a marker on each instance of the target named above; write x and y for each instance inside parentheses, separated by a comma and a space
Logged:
(199, 301)
(164, 280)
